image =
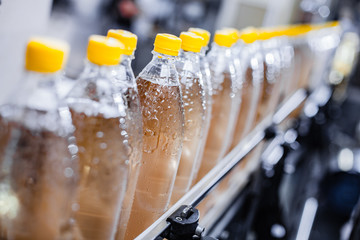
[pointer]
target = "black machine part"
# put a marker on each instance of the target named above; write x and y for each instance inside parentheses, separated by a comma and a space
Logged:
(184, 225)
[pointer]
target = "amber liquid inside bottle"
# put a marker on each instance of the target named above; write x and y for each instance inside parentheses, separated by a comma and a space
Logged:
(134, 124)
(270, 93)
(37, 183)
(305, 63)
(215, 145)
(194, 123)
(163, 128)
(249, 100)
(104, 169)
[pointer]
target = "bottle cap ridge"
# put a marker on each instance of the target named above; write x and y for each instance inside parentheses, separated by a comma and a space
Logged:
(45, 55)
(234, 32)
(191, 42)
(224, 38)
(128, 39)
(167, 44)
(202, 33)
(104, 50)
(267, 33)
(249, 35)
(296, 30)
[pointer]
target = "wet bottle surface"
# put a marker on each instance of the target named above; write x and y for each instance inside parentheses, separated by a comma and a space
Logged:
(100, 116)
(206, 75)
(288, 66)
(37, 170)
(163, 126)
(193, 94)
(126, 80)
(270, 94)
(251, 60)
(225, 105)
(302, 62)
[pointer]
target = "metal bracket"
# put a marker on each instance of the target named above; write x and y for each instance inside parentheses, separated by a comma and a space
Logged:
(184, 225)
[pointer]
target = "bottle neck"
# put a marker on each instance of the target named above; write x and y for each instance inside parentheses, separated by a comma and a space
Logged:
(220, 49)
(126, 74)
(203, 51)
(163, 58)
(126, 60)
(187, 55)
(161, 70)
(94, 71)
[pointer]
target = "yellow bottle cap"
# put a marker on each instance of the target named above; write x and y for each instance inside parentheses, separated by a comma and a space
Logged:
(297, 30)
(191, 42)
(125, 37)
(267, 33)
(104, 50)
(332, 24)
(224, 38)
(202, 33)
(167, 44)
(249, 35)
(45, 55)
(325, 25)
(234, 32)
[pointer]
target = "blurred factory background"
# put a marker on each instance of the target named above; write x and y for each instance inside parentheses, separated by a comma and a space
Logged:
(75, 20)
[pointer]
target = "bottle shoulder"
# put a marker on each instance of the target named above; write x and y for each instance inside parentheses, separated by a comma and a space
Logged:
(160, 71)
(101, 91)
(57, 121)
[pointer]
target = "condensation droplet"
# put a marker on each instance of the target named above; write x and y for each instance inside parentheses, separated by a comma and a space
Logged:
(99, 134)
(75, 207)
(73, 149)
(96, 160)
(68, 172)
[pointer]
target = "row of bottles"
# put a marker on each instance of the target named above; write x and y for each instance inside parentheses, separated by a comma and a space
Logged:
(110, 158)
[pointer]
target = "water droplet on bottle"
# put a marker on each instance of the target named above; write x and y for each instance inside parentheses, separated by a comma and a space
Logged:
(73, 149)
(99, 134)
(68, 172)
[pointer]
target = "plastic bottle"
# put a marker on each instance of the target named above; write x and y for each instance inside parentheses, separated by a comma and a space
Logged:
(225, 100)
(163, 121)
(302, 55)
(323, 41)
(247, 50)
(193, 93)
(127, 79)
(38, 164)
(287, 62)
(100, 114)
(270, 94)
(205, 71)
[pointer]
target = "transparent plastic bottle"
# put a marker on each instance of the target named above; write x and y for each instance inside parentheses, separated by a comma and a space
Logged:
(303, 59)
(127, 78)
(270, 94)
(163, 124)
(323, 41)
(206, 74)
(225, 99)
(248, 52)
(38, 164)
(193, 95)
(287, 62)
(100, 114)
